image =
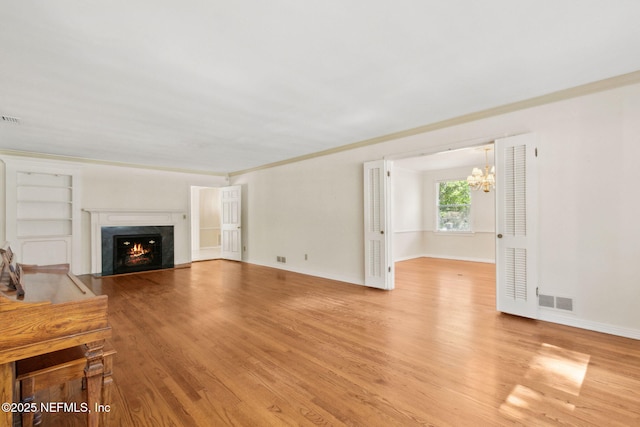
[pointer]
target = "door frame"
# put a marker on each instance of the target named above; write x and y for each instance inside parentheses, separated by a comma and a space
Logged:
(462, 145)
(194, 244)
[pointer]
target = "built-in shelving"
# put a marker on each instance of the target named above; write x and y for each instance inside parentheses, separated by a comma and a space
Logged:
(44, 205)
(42, 220)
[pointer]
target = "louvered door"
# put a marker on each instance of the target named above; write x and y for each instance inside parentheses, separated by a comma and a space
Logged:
(378, 261)
(516, 225)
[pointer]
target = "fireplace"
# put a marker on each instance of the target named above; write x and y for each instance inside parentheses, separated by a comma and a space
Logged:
(137, 253)
(131, 249)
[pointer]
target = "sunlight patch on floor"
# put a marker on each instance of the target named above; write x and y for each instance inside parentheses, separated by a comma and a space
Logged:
(525, 403)
(555, 375)
(559, 368)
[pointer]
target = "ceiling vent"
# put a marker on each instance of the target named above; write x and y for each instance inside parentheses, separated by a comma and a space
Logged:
(9, 119)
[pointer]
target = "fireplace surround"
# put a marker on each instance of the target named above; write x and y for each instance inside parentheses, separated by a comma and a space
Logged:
(127, 249)
(115, 217)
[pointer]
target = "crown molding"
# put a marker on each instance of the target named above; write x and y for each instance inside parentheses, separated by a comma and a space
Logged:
(82, 160)
(561, 95)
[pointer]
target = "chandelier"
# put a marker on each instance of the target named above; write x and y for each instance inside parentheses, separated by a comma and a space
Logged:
(483, 180)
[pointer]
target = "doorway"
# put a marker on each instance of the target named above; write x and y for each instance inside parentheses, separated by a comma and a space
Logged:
(205, 223)
(515, 219)
(417, 215)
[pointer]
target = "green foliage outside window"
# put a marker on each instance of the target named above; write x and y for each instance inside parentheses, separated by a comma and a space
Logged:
(454, 206)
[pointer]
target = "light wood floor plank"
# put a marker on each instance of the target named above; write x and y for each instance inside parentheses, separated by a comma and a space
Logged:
(226, 343)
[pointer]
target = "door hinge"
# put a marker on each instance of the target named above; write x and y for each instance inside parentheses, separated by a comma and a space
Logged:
(388, 173)
(537, 294)
(389, 269)
(536, 151)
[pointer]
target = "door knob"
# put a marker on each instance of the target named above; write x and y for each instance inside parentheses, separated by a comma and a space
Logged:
(499, 236)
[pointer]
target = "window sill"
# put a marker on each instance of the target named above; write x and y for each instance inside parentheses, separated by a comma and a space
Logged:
(454, 233)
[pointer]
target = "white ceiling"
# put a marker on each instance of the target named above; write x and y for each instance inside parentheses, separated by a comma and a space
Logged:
(224, 86)
(477, 156)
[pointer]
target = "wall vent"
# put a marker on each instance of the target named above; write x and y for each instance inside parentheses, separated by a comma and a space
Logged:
(9, 119)
(564, 303)
(546, 301)
(561, 303)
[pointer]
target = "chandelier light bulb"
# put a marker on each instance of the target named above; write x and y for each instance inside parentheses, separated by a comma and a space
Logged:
(483, 180)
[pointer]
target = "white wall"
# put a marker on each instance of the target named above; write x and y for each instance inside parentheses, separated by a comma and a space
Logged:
(314, 208)
(409, 206)
(589, 232)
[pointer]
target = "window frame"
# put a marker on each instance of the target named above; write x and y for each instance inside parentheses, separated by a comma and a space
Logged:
(437, 208)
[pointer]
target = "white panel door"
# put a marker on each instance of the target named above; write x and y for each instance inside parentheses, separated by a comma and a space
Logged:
(378, 260)
(516, 225)
(230, 222)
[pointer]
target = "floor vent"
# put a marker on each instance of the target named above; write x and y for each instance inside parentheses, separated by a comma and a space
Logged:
(560, 303)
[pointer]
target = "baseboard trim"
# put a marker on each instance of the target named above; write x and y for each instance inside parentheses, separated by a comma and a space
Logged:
(407, 258)
(455, 258)
(588, 325)
(337, 278)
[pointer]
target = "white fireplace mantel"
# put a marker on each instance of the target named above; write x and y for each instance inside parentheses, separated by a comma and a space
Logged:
(126, 217)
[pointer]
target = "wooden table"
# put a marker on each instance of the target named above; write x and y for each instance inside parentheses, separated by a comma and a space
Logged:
(57, 311)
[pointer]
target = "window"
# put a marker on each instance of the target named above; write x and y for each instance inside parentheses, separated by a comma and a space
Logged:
(454, 206)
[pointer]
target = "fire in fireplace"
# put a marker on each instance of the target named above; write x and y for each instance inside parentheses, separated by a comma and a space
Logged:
(137, 253)
(128, 249)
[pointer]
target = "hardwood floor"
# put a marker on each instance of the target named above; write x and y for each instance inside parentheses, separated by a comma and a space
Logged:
(226, 343)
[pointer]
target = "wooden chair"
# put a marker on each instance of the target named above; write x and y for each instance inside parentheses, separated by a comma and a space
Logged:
(51, 369)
